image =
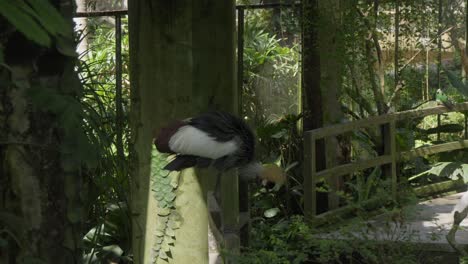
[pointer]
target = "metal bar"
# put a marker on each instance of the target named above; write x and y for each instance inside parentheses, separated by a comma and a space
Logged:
(244, 201)
(240, 57)
(238, 7)
(118, 88)
(268, 6)
(101, 13)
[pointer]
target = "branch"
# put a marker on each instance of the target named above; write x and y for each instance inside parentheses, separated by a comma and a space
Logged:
(457, 219)
(372, 38)
(400, 87)
(419, 52)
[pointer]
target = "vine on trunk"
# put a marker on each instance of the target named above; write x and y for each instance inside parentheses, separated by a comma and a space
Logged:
(164, 185)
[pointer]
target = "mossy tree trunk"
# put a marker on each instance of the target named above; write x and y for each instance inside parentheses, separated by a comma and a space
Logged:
(182, 63)
(312, 101)
(331, 69)
(40, 182)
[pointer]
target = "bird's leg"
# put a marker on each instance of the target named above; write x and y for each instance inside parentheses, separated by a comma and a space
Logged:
(217, 190)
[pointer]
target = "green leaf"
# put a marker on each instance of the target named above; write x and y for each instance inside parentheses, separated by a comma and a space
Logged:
(3, 243)
(162, 254)
(169, 239)
(159, 240)
(24, 23)
(165, 246)
(446, 128)
(280, 134)
(50, 18)
(160, 226)
(170, 197)
(115, 250)
(174, 224)
(272, 212)
(290, 166)
(452, 170)
(157, 247)
(170, 232)
(66, 46)
(175, 180)
(164, 212)
(2, 57)
(159, 233)
(456, 82)
(30, 260)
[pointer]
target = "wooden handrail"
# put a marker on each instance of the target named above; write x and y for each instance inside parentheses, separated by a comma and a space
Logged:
(429, 150)
(417, 113)
(342, 128)
(389, 158)
(354, 166)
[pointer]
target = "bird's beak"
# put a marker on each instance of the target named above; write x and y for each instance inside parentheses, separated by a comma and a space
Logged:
(273, 173)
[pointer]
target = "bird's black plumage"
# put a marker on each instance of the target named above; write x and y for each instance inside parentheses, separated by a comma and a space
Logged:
(222, 127)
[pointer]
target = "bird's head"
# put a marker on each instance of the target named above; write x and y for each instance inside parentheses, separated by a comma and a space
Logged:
(268, 173)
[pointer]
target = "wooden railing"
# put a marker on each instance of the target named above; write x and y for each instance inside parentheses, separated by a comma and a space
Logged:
(389, 157)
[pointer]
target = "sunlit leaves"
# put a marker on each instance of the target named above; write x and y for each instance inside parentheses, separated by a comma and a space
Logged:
(272, 212)
(456, 82)
(452, 170)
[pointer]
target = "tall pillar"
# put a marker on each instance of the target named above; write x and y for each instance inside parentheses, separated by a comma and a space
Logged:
(182, 63)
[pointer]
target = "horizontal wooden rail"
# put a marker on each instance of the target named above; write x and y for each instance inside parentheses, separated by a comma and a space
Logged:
(355, 166)
(429, 150)
(417, 113)
(440, 187)
(348, 211)
(342, 128)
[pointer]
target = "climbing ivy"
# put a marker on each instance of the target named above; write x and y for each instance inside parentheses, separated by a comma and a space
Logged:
(164, 185)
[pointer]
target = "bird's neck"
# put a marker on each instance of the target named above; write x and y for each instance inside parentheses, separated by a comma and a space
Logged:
(250, 171)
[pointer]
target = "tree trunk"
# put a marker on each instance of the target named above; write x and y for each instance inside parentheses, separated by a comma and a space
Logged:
(397, 54)
(465, 53)
(182, 63)
(439, 43)
(312, 94)
(40, 183)
(332, 52)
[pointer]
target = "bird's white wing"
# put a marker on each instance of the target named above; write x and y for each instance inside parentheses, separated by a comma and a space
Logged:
(189, 140)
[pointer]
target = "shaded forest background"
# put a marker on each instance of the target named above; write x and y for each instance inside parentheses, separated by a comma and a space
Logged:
(305, 66)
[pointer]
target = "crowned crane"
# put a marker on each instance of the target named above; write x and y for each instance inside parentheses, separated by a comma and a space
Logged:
(217, 139)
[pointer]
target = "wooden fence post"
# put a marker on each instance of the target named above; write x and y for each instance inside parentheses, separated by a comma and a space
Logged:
(390, 171)
(310, 201)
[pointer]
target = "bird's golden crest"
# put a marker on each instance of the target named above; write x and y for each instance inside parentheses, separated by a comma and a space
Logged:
(273, 173)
